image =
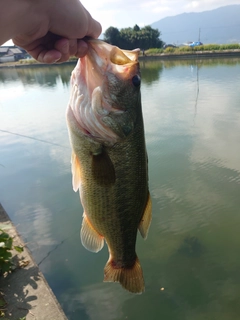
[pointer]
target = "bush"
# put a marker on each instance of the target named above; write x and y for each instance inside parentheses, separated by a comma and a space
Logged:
(205, 47)
(211, 47)
(28, 61)
(170, 50)
(6, 245)
(185, 49)
(230, 46)
(154, 51)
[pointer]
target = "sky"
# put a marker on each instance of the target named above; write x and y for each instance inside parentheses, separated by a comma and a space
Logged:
(127, 13)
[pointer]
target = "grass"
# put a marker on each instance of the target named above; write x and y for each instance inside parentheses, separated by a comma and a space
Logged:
(187, 49)
(33, 61)
(27, 61)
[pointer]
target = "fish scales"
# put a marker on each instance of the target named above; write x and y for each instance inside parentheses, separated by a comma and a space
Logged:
(112, 208)
(111, 173)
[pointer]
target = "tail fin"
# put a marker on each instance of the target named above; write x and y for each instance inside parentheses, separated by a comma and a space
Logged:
(130, 278)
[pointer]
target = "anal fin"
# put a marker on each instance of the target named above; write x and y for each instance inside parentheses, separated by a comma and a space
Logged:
(90, 238)
(146, 219)
(130, 278)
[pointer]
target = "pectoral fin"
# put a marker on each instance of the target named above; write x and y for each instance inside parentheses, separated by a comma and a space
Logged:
(102, 168)
(75, 172)
(90, 238)
(146, 219)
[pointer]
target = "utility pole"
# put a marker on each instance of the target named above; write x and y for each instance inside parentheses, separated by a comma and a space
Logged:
(199, 34)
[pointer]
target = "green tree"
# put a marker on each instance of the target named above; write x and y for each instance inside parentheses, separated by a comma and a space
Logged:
(136, 28)
(150, 38)
(111, 36)
(131, 38)
(126, 38)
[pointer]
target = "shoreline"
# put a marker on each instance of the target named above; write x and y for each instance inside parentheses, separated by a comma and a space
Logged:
(193, 55)
(162, 56)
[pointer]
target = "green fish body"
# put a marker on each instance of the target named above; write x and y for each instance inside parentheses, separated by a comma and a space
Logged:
(109, 158)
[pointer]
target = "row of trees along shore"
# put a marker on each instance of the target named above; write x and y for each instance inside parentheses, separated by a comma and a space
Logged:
(136, 37)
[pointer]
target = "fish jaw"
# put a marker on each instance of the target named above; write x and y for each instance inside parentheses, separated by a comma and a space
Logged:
(111, 59)
(98, 83)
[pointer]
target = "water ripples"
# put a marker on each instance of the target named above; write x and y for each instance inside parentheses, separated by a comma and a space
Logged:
(192, 126)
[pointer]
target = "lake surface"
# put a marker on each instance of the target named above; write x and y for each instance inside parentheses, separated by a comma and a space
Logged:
(191, 258)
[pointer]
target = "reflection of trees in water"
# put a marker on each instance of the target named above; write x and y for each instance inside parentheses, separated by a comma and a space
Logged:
(150, 71)
(43, 76)
(8, 75)
(206, 62)
(49, 76)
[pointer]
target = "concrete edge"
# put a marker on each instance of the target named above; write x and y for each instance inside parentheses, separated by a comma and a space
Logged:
(26, 290)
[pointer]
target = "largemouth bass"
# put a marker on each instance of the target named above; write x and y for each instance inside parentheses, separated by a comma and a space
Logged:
(109, 158)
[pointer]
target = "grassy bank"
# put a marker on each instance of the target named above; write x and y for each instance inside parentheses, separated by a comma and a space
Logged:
(208, 50)
(187, 49)
(33, 62)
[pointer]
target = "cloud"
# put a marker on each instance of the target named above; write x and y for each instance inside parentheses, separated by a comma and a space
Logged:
(97, 301)
(37, 225)
(205, 5)
(125, 13)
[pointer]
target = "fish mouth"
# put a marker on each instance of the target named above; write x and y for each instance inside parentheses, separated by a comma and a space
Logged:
(92, 101)
(110, 54)
(110, 59)
(103, 58)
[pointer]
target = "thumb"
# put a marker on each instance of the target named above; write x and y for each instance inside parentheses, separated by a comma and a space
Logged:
(71, 20)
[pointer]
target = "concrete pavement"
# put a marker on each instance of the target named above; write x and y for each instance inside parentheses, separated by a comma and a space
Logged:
(25, 290)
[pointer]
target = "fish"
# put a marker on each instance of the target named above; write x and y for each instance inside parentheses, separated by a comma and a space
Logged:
(109, 158)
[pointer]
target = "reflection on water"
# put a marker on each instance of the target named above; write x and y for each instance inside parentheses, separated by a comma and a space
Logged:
(150, 71)
(190, 259)
(43, 76)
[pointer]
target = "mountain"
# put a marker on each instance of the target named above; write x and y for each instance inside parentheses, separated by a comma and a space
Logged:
(221, 25)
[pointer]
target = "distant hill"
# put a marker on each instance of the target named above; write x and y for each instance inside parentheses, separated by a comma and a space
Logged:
(221, 25)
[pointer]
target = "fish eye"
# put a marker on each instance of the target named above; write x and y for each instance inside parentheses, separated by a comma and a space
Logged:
(136, 80)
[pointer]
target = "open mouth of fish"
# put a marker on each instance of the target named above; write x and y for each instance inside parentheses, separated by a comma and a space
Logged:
(92, 101)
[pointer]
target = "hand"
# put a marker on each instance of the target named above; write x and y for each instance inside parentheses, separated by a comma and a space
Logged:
(55, 29)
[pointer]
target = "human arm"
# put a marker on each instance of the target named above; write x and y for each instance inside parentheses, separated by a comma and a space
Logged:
(50, 30)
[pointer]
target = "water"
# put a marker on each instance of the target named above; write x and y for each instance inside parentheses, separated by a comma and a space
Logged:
(190, 259)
